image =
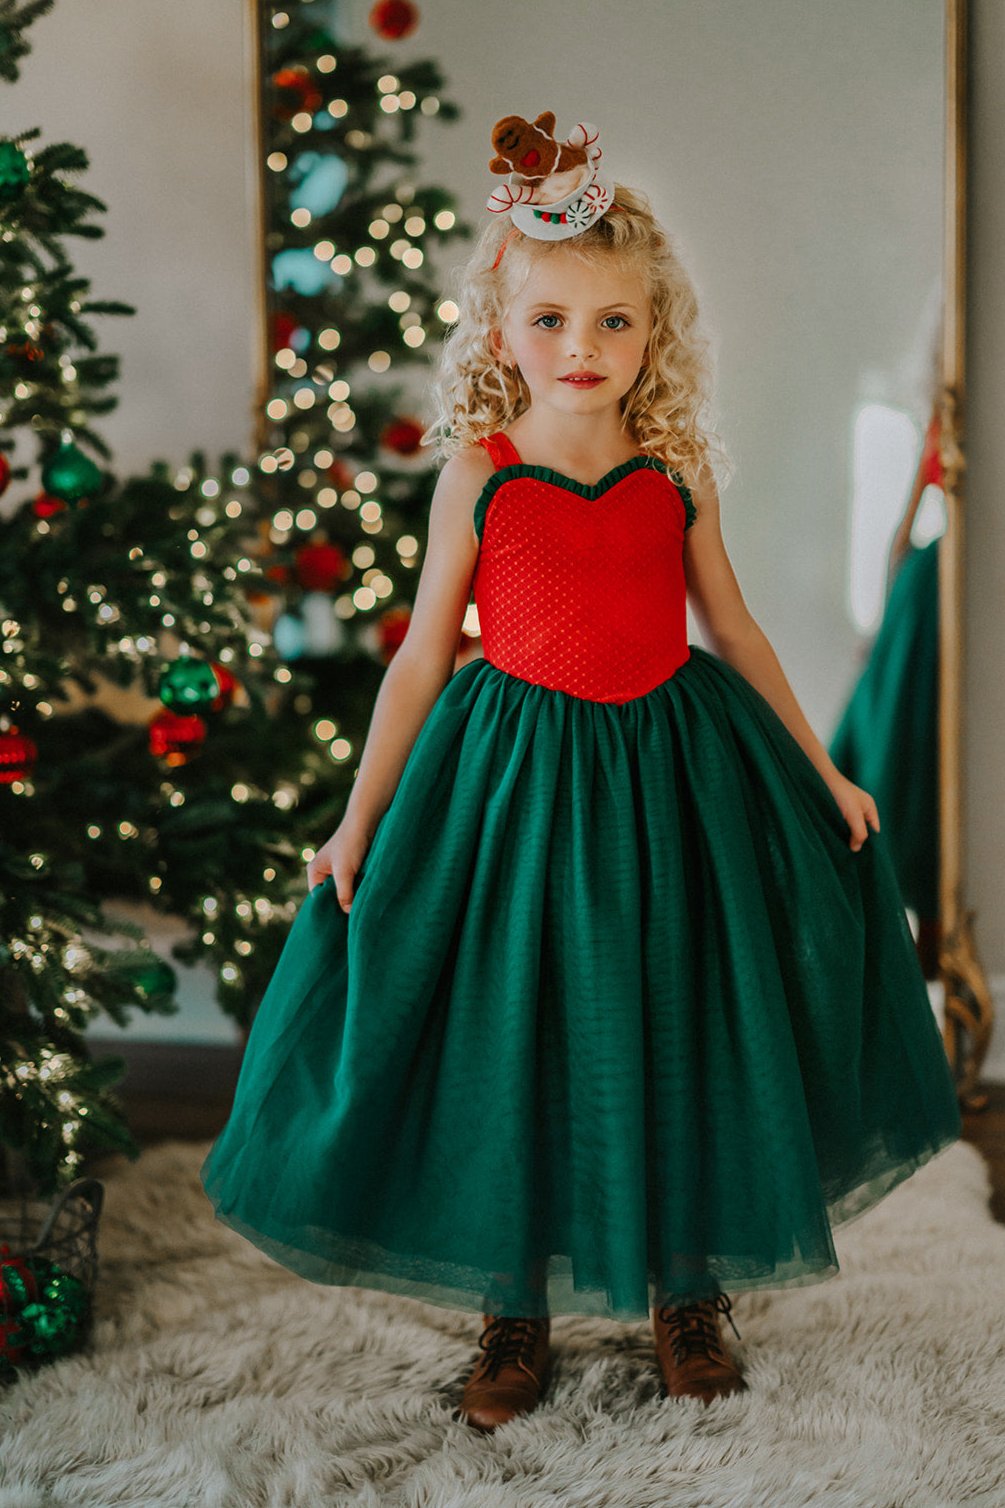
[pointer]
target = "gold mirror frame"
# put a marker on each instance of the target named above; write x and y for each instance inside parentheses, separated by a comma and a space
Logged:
(969, 1011)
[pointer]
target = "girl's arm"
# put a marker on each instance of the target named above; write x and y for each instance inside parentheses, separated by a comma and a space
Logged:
(736, 637)
(425, 659)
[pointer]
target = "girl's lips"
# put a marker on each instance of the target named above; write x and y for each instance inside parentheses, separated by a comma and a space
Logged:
(582, 381)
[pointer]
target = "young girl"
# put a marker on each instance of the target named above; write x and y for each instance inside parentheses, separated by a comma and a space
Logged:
(603, 998)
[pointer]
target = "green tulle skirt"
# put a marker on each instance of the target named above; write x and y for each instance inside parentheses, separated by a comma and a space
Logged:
(887, 739)
(617, 1015)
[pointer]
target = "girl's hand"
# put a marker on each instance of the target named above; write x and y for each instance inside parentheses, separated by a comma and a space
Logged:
(340, 857)
(857, 808)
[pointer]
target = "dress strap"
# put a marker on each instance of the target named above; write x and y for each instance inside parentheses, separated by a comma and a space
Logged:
(502, 450)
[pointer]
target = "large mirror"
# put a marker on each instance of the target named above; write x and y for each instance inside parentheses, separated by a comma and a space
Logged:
(809, 162)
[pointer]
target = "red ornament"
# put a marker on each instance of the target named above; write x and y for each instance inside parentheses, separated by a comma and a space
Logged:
(283, 326)
(279, 573)
(18, 1287)
(176, 736)
(392, 627)
(44, 506)
(14, 1338)
(341, 474)
(392, 19)
(319, 567)
(296, 82)
(17, 756)
(227, 684)
(4, 473)
(12, 1263)
(403, 435)
(26, 352)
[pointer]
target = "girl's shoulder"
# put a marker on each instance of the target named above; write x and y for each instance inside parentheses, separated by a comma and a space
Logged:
(463, 475)
(473, 461)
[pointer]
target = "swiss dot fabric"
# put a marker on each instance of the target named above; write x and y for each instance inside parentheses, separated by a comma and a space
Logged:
(581, 589)
(617, 1015)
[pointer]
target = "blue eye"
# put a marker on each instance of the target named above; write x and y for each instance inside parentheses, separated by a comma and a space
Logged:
(622, 326)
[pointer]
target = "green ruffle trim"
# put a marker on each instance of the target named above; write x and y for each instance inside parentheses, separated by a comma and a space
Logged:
(686, 499)
(583, 489)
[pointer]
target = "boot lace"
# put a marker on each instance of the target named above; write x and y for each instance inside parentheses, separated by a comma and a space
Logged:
(692, 1328)
(508, 1340)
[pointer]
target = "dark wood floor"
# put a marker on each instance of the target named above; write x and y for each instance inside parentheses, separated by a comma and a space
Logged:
(178, 1091)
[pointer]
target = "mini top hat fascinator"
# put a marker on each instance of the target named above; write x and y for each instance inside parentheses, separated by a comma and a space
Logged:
(553, 188)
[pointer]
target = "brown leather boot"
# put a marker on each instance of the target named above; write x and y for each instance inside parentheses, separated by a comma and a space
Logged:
(509, 1378)
(690, 1352)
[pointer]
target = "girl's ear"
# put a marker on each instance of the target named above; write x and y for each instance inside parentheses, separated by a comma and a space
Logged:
(499, 350)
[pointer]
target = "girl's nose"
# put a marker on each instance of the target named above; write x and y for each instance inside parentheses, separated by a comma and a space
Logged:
(583, 346)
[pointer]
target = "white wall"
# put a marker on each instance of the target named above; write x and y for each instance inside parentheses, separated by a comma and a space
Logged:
(159, 97)
(794, 151)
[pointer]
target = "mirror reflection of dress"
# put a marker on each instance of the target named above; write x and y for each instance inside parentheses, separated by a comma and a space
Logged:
(887, 737)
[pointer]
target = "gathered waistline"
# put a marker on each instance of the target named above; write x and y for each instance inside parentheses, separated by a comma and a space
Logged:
(602, 701)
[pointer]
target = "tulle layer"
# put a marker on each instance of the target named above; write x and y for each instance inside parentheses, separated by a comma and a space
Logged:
(887, 739)
(616, 1015)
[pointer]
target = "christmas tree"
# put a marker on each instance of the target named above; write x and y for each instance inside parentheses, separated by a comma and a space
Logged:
(354, 308)
(104, 584)
(258, 600)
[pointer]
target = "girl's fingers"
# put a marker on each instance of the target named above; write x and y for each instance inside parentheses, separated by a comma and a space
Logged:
(867, 814)
(858, 832)
(343, 889)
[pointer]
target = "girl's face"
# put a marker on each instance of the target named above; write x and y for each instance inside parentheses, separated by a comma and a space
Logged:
(572, 317)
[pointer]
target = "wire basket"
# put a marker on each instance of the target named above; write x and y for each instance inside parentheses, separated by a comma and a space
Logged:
(48, 1273)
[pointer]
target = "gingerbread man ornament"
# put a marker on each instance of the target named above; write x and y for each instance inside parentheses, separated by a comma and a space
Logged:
(553, 189)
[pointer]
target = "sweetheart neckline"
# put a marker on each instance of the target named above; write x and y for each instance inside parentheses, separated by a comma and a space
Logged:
(559, 478)
(590, 490)
(572, 481)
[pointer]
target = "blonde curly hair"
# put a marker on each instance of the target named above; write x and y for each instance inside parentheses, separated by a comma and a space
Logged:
(475, 395)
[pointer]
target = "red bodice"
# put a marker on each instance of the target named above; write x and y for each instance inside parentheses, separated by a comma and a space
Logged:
(931, 458)
(581, 588)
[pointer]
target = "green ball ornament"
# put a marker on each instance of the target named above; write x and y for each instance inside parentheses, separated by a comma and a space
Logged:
(154, 978)
(320, 41)
(18, 1282)
(188, 685)
(15, 171)
(56, 1321)
(70, 475)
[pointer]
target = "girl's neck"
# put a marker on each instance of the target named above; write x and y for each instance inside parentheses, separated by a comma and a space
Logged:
(584, 450)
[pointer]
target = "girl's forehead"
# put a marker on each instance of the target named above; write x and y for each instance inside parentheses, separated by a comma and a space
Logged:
(564, 277)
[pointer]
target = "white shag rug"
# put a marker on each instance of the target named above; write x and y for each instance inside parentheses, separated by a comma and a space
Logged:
(217, 1379)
